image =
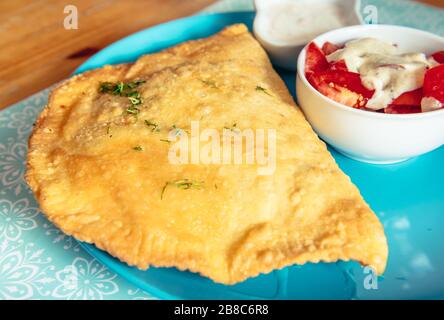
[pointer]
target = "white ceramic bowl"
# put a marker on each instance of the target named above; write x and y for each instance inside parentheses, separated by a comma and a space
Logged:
(369, 136)
(284, 54)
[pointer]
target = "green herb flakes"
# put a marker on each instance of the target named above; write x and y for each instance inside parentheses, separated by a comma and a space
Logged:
(132, 110)
(152, 125)
(123, 89)
(210, 83)
(120, 88)
(183, 184)
(261, 89)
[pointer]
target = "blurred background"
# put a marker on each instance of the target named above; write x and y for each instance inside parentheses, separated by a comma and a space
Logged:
(37, 50)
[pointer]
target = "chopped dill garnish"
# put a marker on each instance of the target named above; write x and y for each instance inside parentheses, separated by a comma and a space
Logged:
(138, 148)
(123, 89)
(163, 190)
(165, 140)
(120, 88)
(178, 131)
(135, 83)
(132, 110)
(209, 83)
(233, 127)
(259, 88)
(108, 131)
(107, 87)
(134, 94)
(135, 101)
(152, 125)
(183, 184)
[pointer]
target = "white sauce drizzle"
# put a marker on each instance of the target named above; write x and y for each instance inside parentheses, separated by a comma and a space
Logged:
(383, 68)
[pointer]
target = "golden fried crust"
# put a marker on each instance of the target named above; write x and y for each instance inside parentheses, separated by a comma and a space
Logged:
(93, 185)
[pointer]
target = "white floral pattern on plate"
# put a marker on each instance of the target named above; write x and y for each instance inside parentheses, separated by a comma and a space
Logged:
(85, 280)
(23, 270)
(12, 157)
(59, 237)
(23, 120)
(15, 218)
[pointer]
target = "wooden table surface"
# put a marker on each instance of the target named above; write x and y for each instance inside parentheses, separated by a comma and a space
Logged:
(37, 51)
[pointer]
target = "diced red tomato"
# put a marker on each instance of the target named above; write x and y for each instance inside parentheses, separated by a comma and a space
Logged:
(329, 48)
(411, 98)
(349, 80)
(333, 79)
(438, 56)
(434, 83)
(340, 94)
(402, 109)
(336, 82)
(338, 65)
(337, 92)
(315, 60)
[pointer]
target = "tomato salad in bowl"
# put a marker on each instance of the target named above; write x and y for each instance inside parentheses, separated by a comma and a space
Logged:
(370, 74)
(374, 92)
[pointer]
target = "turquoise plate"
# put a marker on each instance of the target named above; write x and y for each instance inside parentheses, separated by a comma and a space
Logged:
(407, 197)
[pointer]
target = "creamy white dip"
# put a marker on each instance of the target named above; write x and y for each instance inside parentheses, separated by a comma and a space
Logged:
(383, 68)
(298, 22)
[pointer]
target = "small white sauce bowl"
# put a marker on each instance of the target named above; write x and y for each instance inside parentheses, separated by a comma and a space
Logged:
(284, 54)
(369, 136)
